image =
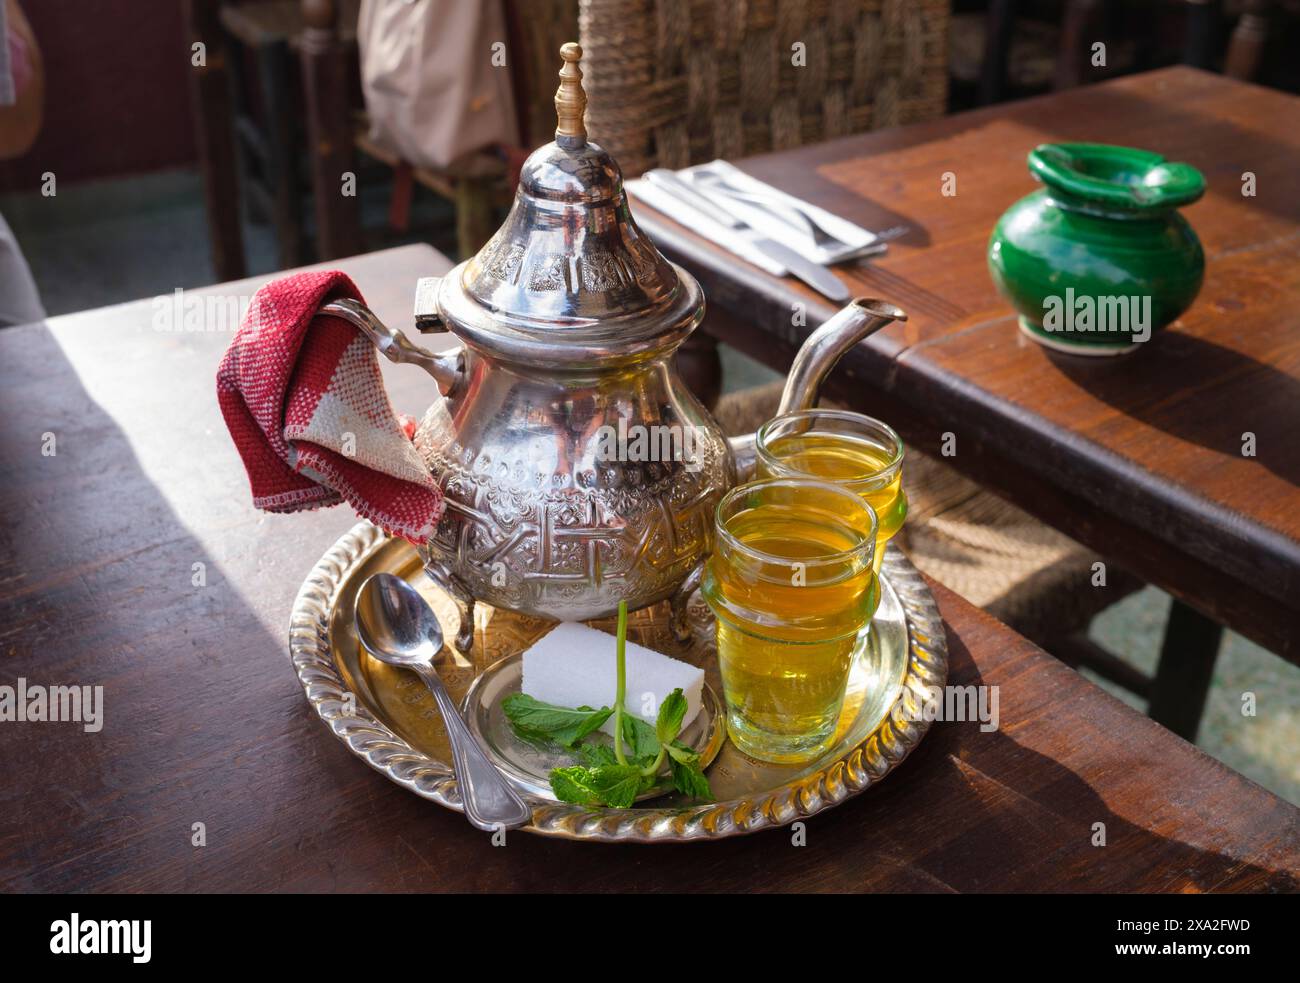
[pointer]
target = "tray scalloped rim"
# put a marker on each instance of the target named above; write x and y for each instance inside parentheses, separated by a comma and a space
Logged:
(857, 769)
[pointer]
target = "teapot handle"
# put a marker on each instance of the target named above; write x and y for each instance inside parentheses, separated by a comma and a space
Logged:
(447, 367)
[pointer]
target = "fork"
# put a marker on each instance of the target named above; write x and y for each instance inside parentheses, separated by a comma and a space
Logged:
(821, 238)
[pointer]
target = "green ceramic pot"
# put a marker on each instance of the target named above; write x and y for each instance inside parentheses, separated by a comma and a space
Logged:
(1099, 260)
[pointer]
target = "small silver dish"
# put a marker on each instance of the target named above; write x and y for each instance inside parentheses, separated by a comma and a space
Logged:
(528, 765)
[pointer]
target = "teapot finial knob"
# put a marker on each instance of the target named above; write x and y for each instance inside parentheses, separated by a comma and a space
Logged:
(570, 99)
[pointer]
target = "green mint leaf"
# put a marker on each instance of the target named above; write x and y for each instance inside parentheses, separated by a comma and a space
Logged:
(595, 755)
(617, 785)
(640, 737)
(535, 738)
(682, 754)
(689, 779)
(574, 785)
(671, 713)
(561, 724)
(606, 785)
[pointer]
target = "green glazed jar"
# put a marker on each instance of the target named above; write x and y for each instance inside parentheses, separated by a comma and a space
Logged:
(1099, 259)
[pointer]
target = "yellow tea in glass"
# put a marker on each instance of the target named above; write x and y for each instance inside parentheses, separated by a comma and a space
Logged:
(855, 451)
(791, 583)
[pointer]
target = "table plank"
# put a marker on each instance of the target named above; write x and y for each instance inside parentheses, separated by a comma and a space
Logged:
(206, 723)
(1139, 458)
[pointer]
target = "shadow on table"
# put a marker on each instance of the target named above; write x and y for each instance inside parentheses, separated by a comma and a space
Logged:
(969, 812)
(1021, 820)
(1166, 385)
(102, 584)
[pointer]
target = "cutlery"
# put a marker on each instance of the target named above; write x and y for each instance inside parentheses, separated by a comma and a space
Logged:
(821, 238)
(397, 627)
(815, 275)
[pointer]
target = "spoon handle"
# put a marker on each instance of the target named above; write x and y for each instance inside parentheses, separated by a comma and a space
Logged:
(490, 801)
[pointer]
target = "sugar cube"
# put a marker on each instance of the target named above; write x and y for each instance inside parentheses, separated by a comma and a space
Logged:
(574, 665)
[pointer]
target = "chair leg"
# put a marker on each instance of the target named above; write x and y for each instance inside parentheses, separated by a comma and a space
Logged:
(326, 85)
(1182, 680)
(700, 365)
(275, 67)
(1078, 30)
(474, 225)
(997, 50)
(246, 159)
(400, 199)
(1202, 31)
(214, 120)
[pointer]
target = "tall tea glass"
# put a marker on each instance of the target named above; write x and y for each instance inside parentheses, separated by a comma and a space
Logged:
(792, 586)
(854, 451)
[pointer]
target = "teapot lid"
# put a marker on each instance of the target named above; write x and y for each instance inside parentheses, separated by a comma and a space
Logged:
(569, 277)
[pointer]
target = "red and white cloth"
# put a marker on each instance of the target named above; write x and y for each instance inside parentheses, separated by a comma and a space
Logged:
(304, 401)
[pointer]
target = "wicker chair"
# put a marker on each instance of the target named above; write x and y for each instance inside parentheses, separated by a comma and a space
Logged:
(677, 82)
(537, 29)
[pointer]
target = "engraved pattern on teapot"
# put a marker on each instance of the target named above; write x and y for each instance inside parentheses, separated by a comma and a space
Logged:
(597, 270)
(572, 545)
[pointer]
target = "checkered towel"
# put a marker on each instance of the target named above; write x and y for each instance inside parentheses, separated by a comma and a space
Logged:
(304, 401)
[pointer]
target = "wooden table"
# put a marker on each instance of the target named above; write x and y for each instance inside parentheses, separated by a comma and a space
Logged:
(1139, 458)
(206, 723)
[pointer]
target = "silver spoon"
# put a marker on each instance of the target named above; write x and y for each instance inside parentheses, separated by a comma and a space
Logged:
(396, 626)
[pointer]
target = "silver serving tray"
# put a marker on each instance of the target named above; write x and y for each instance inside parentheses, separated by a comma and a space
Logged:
(386, 717)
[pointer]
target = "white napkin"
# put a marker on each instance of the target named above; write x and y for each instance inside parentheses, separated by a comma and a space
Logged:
(763, 222)
(735, 241)
(790, 233)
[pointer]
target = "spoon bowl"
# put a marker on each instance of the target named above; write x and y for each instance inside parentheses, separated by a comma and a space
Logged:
(397, 627)
(395, 624)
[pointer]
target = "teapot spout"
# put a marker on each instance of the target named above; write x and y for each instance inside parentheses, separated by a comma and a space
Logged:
(825, 346)
(814, 361)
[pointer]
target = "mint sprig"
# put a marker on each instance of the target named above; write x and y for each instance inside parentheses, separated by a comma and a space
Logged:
(612, 776)
(533, 718)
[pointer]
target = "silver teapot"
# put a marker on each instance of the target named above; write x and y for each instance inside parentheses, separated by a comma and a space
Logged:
(577, 468)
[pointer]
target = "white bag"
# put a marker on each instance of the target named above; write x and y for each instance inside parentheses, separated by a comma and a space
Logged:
(432, 91)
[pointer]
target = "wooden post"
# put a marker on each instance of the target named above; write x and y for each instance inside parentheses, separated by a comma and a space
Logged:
(329, 130)
(1249, 37)
(997, 51)
(699, 363)
(475, 221)
(1185, 671)
(215, 135)
(1202, 31)
(1078, 33)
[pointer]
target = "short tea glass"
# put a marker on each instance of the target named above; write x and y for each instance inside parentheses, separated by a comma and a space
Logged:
(854, 451)
(792, 586)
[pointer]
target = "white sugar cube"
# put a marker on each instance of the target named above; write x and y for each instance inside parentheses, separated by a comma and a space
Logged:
(575, 666)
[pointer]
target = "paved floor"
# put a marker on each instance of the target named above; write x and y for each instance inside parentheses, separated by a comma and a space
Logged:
(109, 242)
(105, 242)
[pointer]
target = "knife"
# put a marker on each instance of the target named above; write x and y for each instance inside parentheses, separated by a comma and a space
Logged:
(814, 274)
